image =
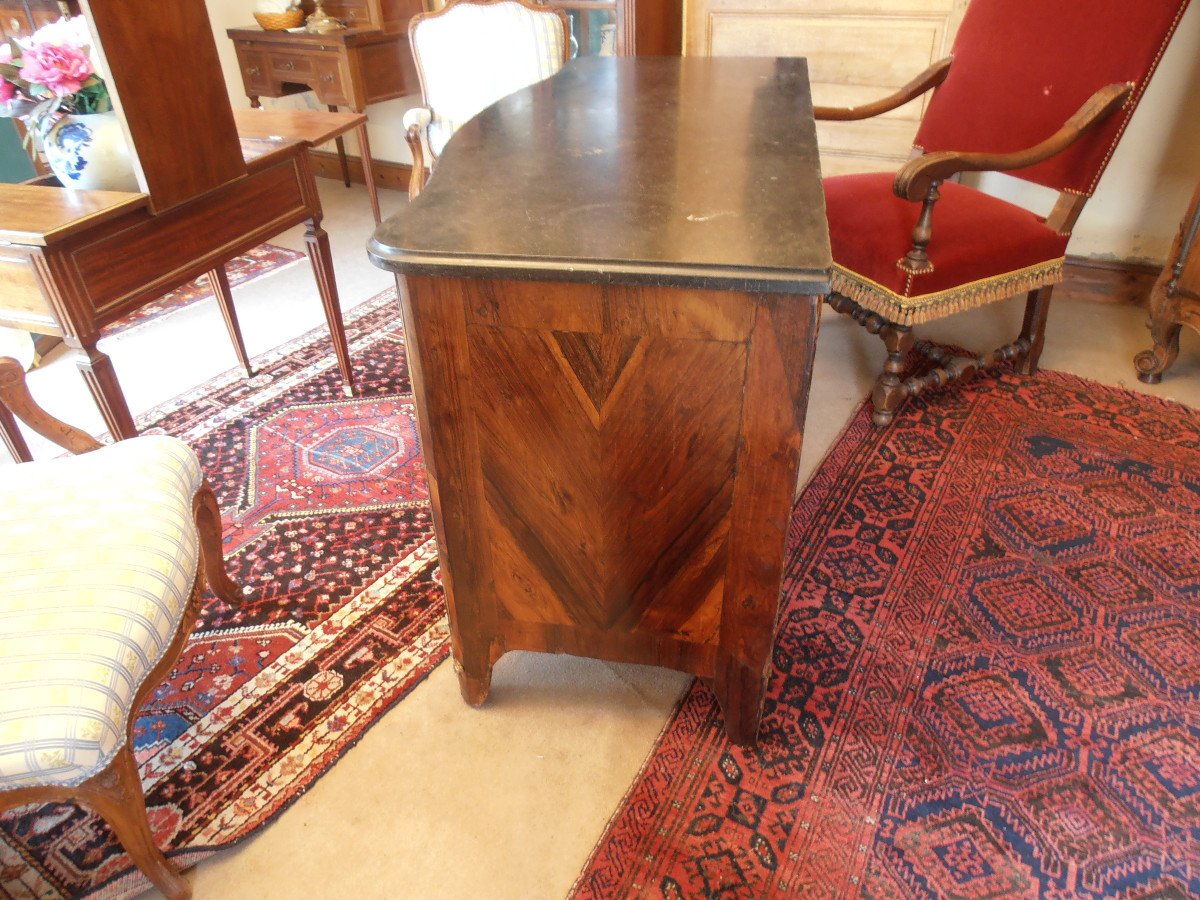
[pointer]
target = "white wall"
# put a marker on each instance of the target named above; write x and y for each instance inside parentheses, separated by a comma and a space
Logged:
(1134, 214)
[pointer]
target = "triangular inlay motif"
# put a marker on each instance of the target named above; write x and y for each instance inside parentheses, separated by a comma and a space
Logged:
(596, 359)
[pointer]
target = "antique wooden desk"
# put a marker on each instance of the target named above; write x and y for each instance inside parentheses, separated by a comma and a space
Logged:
(611, 291)
(72, 262)
(368, 62)
(1175, 299)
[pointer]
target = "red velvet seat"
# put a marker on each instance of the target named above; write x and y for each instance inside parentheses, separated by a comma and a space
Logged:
(984, 249)
(1043, 89)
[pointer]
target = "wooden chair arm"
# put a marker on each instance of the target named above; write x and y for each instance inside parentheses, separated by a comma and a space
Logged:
(416, 127)
(930, 78)
(915, 178)
(15, 396)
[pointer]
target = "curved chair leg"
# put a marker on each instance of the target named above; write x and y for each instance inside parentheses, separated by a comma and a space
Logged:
(116, 794)
(208, 523)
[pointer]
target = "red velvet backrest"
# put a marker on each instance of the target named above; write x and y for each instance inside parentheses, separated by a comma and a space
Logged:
(1023, 67)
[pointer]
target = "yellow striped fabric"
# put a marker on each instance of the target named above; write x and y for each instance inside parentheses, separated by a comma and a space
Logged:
(471, 56)
(98, 554)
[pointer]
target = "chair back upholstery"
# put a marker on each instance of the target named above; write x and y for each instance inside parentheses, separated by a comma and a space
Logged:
(470, 54)
(1023, 67)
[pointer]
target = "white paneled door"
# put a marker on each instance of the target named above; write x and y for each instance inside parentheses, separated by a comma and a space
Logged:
(856, 52)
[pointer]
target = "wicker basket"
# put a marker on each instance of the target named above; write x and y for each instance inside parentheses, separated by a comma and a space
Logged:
(280, 21)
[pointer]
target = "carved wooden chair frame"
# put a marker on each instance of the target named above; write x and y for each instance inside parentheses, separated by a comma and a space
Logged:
(115, 792)
(918, 181)
(412, 134)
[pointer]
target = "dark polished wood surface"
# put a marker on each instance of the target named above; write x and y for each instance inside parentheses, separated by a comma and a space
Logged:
(612, 465)
(700, 172)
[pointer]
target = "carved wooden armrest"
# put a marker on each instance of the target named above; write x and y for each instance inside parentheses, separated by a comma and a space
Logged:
(930, 78)
(416, 125)
(919, 178)
(17, 401)
(914, 179)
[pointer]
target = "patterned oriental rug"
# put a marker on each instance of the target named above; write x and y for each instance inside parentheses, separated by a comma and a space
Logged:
(262, 260)
(986, 678)
(328, 529)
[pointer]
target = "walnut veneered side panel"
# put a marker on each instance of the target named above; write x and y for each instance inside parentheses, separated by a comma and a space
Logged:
(593, 450)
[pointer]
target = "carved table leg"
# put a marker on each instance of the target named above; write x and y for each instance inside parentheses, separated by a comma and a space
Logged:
(116, 794)
(341, 149)
(97, 370)
(317, 242)
(219, 282)
(1164, 327)
(364, 149)
(1153, 362)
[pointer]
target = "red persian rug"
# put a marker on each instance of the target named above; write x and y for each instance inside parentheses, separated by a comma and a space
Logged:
(987, 676)
(329, 531)
(262, 260)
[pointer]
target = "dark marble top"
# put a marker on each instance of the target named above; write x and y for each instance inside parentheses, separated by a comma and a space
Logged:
(691, 172)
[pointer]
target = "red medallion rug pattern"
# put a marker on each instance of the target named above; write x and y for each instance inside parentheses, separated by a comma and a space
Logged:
(262, 260)
(328, 529)
(986, 677)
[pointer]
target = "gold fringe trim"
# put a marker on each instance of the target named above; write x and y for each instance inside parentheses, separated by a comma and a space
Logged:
(927, 307)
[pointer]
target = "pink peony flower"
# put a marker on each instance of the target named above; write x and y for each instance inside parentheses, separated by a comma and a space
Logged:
(5, 52)
(62, 69)
(7, 91)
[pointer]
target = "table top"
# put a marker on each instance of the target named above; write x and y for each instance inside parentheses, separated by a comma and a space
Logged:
(38, 214)
(314, 127)
(42, 214)
(640, 170)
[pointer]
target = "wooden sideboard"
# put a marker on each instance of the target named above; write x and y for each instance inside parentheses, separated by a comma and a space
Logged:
(612, 385)
(1175, 299)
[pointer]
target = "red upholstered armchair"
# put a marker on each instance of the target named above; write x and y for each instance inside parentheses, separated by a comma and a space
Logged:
(1042, 89)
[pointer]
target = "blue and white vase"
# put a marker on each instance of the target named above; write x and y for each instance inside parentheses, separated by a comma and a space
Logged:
(89, 152)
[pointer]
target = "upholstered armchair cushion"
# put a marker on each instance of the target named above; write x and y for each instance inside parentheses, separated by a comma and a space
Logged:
(983, 249)
(98, 556)
(471, 55)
